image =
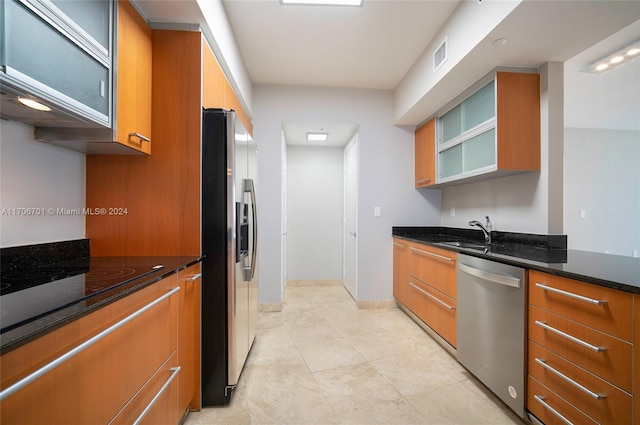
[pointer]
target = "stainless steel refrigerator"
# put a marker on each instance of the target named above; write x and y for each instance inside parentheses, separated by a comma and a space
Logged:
(229, 247)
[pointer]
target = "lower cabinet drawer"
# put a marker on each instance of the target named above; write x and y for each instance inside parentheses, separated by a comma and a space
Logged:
(157, 402)
(93, 385)
(434, 267)
(595, 397)
(603, 355)
(552, 409)
(605, 309)
(434, 308)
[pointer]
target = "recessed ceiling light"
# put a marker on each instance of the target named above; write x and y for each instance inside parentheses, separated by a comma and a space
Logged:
(33, 104)
(323, 2)
(500, 42)
(315, 136)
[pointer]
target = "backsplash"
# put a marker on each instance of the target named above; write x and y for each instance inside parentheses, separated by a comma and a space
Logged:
(28, 257)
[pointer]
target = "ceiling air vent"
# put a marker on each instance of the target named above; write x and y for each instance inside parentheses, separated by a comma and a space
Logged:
(440, 55)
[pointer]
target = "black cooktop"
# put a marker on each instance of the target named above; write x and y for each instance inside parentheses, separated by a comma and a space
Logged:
(26, 295)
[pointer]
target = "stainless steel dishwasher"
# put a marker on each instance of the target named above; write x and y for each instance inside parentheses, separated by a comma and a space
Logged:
(491, 326)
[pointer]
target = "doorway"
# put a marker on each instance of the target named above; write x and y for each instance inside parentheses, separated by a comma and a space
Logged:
(319, 209)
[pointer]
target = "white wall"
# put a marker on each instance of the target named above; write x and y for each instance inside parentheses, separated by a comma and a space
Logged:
(37, 175)
(314, 213)
(602, 178)
(467, 26)
(386, 177)
(526, 203)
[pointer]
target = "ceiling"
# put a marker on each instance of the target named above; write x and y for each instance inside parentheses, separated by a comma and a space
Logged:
(375, 45)
(372, 46)
(360, 47)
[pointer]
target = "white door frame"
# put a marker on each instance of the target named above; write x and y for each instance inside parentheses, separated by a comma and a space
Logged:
(353, 144)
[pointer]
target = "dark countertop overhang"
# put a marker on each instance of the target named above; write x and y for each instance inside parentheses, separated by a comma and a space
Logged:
(95, 293)
(545, 253)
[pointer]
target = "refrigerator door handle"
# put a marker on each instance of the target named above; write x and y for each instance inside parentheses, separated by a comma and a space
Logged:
(250, 188)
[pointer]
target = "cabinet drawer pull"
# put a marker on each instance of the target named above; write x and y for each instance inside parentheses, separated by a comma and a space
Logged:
(174, 373)
(569, 380)
(399, 245)
(432, 297)
(491, 277)
(540, 400)
(570, 337)
(69, 354)
(194, 277)
(441, 257)
(140, 136)
(570, 294)
(423, 181)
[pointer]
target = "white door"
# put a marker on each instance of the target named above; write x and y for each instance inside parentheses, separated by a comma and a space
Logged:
(350, 273)
(283, 252)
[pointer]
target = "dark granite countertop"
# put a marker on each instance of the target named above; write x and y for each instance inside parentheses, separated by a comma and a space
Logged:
(38, 304)
(546, 253)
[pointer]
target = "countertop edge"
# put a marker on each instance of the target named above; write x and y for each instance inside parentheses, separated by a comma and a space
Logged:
(528, 264)
(65, 316)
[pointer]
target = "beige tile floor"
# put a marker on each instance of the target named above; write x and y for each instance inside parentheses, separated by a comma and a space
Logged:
(321, 361)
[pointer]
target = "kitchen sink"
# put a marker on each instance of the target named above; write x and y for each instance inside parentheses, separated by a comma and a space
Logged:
(467, 245)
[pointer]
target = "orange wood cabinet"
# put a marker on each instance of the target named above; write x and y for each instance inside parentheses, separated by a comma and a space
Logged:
(434, 267)
(581, 348)
(636, 362)
(161, 192)
(217, 92)
(189, 338)
(97, 383)
(431, 274)
(425, 154)
(401, 271)
(435, 309)
(518, 121)
(133, 96)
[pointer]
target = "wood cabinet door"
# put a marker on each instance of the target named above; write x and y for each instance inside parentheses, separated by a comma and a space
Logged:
(163, 387)
(133, 97)
(518, 121)
(189, 280)
(95, 384)
(401, 272)
(435, 267)
(213, 79)
(425, 154)
(435, 309)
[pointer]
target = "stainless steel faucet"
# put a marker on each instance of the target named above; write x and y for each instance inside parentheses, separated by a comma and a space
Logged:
(486, 229)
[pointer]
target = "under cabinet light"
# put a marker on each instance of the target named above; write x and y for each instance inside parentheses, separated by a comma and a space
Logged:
(313, 136)
(615, 58)
(33, 104)
(323, 2)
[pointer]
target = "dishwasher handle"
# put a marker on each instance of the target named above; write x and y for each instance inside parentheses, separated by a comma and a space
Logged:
(491, 277)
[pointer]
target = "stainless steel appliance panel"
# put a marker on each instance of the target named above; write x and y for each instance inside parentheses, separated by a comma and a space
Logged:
(491, 326)
(229, 234)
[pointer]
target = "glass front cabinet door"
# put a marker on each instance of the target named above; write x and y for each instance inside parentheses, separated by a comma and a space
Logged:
(495, 129)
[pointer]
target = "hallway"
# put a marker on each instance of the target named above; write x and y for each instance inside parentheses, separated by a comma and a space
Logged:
(322, 361)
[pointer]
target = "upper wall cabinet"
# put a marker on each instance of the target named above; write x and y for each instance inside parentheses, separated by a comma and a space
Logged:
(47, 56)
(492, 131)
(89, 62)
(425, 167)
(133, 102)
